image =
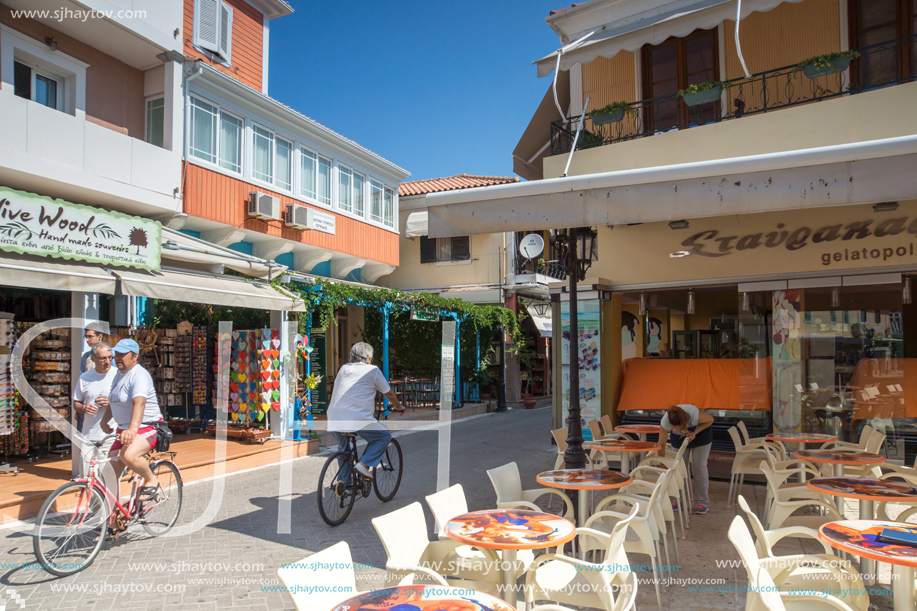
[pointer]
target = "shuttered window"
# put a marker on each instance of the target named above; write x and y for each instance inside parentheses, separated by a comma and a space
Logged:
(213, 27)
(445, 249)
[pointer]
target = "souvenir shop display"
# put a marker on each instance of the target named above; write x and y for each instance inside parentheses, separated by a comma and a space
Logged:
(47, 366)
(9, 408)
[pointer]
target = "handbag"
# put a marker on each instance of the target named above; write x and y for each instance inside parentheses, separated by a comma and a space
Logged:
(163, 435)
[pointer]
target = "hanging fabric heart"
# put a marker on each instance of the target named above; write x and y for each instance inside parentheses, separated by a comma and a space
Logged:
(275, 333)
(243, 365)
(235, 355)
(235, 335)
(260, 416)
(276, 374)
(266, 395)
(266, 344)
(234, 396)
(252, 396)
(242, 335)
(243, 407)
(234, 387)
(234, 416)
(242, 377)
(266, 333)
(275, 406)
(265, 364)
(275, 343)
(266, 354)
(266, 375)
(275, 384)
(276, 364)
(265, 407)
(275, 354)
(275, 395)
(235, 367)
(265, 386)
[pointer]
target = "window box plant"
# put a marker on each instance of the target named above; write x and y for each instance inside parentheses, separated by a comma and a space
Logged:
(821, 65)
(703, 93)
(611, 113)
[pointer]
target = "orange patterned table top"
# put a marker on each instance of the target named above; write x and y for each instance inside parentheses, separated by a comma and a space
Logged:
(624, 446)
(590, 479)
(644, 429)
(510, 529)
(859, 537)
(864, 489)
(801, 437)
(424, 598)
(840, 457)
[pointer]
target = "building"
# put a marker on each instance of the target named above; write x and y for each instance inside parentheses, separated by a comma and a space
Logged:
(762, 232)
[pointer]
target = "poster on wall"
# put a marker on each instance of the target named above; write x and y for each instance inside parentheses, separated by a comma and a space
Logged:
(786, 346)
(589, 354)
(32, 224)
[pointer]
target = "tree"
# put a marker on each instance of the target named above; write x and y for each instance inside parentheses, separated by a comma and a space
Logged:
(138, 238)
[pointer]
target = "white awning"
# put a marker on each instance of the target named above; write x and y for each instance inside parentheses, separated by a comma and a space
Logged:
(416, 224)
(54, 274)
(542, 323)
(847, 174)
(206, 289)
(651, 24)
(179, 246)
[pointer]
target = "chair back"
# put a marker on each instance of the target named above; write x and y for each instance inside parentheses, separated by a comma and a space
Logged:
(741, 539)
(627, 594)
(757, 527)
(446, 504)
(744, 431)
(615, 546)
(607, 426)
(595, 429)
(404, 535)
(771, 479)
(560, 438)
(874, 442)
(338, 583)
(506, 482)
(736, 439)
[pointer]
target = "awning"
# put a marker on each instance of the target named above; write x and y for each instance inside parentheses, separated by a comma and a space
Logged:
(54, 274)
(847, 174)
(206, 289)
(179, 246)
(653, 23)
(535, 143)
(416, 224)
(542, 323)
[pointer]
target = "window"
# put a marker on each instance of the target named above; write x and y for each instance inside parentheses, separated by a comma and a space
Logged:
(213, 27)
(350, 191)
(672, 66)
(272, 160)
(283, 157)
(375, 201)
(445, 249)
(358, 182)
(155, 111)
(875, 22)
(34, 83)
(221, 146)
(315, 177)
(389, 199)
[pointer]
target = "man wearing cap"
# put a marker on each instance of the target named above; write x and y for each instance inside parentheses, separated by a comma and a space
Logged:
(133, 404)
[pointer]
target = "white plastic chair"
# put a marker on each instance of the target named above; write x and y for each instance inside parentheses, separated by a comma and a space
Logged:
(508, 485)
(882, 508)
(681, 480)
(560, 438)
(849, 445)
(625, 600)
(780, 505)
(558, 577)
(643, 488)
(745, 462)
(341, 582)
(408, 552)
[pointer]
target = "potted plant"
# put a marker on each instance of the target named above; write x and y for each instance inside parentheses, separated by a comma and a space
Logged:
(611, 113)
(703, 93)
(820, 65)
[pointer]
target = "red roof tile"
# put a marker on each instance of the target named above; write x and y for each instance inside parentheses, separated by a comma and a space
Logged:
(451, 183)
(565, 8)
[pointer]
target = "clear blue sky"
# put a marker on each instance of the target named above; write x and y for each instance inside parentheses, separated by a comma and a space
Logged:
(438, 87)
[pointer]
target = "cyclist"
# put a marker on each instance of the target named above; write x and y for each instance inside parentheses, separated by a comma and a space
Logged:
(91, 390)
(352, 407)
(133, 404)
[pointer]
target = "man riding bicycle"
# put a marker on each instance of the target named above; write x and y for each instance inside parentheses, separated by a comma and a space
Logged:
(353, 404)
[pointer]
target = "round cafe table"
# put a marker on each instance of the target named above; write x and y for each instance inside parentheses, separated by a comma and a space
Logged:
(510, 530)
(423, 597)
(859, 537)
(867, 491)
(800, 439)
(641, 430)
(624, 448)
(583, 480)
(839, 458)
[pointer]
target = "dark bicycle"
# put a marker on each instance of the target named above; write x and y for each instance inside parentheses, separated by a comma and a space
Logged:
(340, 484)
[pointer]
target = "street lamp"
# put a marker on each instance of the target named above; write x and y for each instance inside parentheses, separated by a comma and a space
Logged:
(577, 250)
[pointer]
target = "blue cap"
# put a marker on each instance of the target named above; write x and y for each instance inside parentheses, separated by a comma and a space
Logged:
(127, 345)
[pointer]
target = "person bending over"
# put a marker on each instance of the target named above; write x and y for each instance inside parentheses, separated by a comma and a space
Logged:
(686, 421)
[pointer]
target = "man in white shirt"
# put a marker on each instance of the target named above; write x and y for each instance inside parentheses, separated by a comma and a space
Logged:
(353, 404)
(94, 385)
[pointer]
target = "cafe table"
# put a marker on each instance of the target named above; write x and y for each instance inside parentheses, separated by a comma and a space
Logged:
(800, 439)
(510, 530)
(624, 448)
(839, 458)
(641, 430)
(859, 537)
(583, 481)
(423, 597)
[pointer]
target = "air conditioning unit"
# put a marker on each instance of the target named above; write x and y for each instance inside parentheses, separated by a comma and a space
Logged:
(298, 217)
(264, 206)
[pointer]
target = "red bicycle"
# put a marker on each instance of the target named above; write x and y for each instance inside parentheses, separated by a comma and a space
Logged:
(73, 522)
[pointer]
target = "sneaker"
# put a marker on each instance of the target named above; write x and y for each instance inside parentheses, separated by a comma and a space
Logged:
(674, 505)
(700, 510)
(362, 470)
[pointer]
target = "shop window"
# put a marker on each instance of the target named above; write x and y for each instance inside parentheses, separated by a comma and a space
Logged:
(213, 28)
(315, 179)
(672, 66)
(37, 84)
(875, 22)
(216, 136)
(434, 250)
(155, 112)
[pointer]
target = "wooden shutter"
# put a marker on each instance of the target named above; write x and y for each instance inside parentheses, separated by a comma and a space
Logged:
(207, 24)
(461, 248)
(225, 49)
(427, 249)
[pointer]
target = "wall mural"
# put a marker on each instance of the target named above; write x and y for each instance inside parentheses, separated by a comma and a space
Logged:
(786, 345)
(654, 335)
(629, 326)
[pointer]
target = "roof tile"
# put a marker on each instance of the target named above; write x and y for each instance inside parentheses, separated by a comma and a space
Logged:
(451, 183)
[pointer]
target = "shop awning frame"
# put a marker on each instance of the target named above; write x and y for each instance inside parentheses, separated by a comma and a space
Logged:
(51, 274)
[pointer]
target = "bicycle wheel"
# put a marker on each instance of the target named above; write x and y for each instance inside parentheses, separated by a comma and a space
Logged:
(388, 474)
(335, 497)
(70, 529)
(159, 517)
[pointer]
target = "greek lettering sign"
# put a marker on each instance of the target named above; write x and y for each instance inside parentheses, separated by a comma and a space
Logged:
(322, 221)
(421, 314)
(36, 225)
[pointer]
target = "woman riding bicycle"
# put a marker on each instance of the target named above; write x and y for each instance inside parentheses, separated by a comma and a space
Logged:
(353, 403)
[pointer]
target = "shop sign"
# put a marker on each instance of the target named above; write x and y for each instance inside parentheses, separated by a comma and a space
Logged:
(322, 221)
(32, 224)
(424, 314)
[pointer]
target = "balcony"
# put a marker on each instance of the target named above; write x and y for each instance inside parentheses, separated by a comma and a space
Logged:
(61, 155)
(539, 271)
(880, 65)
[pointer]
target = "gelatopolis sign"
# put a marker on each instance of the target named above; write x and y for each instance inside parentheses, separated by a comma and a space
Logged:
(32, 224)
(859, 240)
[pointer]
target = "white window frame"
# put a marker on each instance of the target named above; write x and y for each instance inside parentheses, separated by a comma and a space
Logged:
(373, 185)
(146, 119)
(217, 163)
(275, 136)
(343, 170)
(215, 49)
(69, 72)
(300, 178)
(394, 220)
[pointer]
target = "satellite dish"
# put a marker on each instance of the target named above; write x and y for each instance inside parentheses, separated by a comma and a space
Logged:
(531, 246)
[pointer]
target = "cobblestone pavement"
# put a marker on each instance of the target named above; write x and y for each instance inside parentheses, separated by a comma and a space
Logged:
(231, 563)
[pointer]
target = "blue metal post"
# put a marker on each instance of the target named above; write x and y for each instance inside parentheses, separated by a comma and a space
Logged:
(458, 362)
(385, 314)
(477, 364)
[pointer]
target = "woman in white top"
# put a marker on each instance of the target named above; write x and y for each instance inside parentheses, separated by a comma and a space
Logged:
(686, 421)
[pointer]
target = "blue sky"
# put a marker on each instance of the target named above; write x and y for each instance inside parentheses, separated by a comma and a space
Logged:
(437, 87)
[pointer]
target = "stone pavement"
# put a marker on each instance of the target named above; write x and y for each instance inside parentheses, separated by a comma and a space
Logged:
(231, 562)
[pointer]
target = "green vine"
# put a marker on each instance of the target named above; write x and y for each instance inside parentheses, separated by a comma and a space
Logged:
(701, 87)
(612, 108)
(824, 62)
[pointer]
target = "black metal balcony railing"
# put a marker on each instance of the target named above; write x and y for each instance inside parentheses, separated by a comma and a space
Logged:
(552, 269)
(880, 65)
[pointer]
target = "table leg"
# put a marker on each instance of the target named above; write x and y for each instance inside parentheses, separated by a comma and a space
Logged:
(509, 576)
(839, 500)
(867, 565)
(801, 476)
(625, 463)
(903, 587)
(583, 507)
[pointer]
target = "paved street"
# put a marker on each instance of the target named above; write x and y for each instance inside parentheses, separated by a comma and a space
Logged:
(231, 563)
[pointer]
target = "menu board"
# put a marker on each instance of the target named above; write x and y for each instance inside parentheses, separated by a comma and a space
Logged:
(318, 365)
(589, 356)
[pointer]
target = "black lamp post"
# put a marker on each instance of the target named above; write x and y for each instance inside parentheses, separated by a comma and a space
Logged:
(501, 385)
(577, 250)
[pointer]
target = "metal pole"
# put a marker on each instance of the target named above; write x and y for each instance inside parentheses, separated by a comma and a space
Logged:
(477, 360)
(574, 457)
(458, 362)
(501, 387)
(385, 314)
